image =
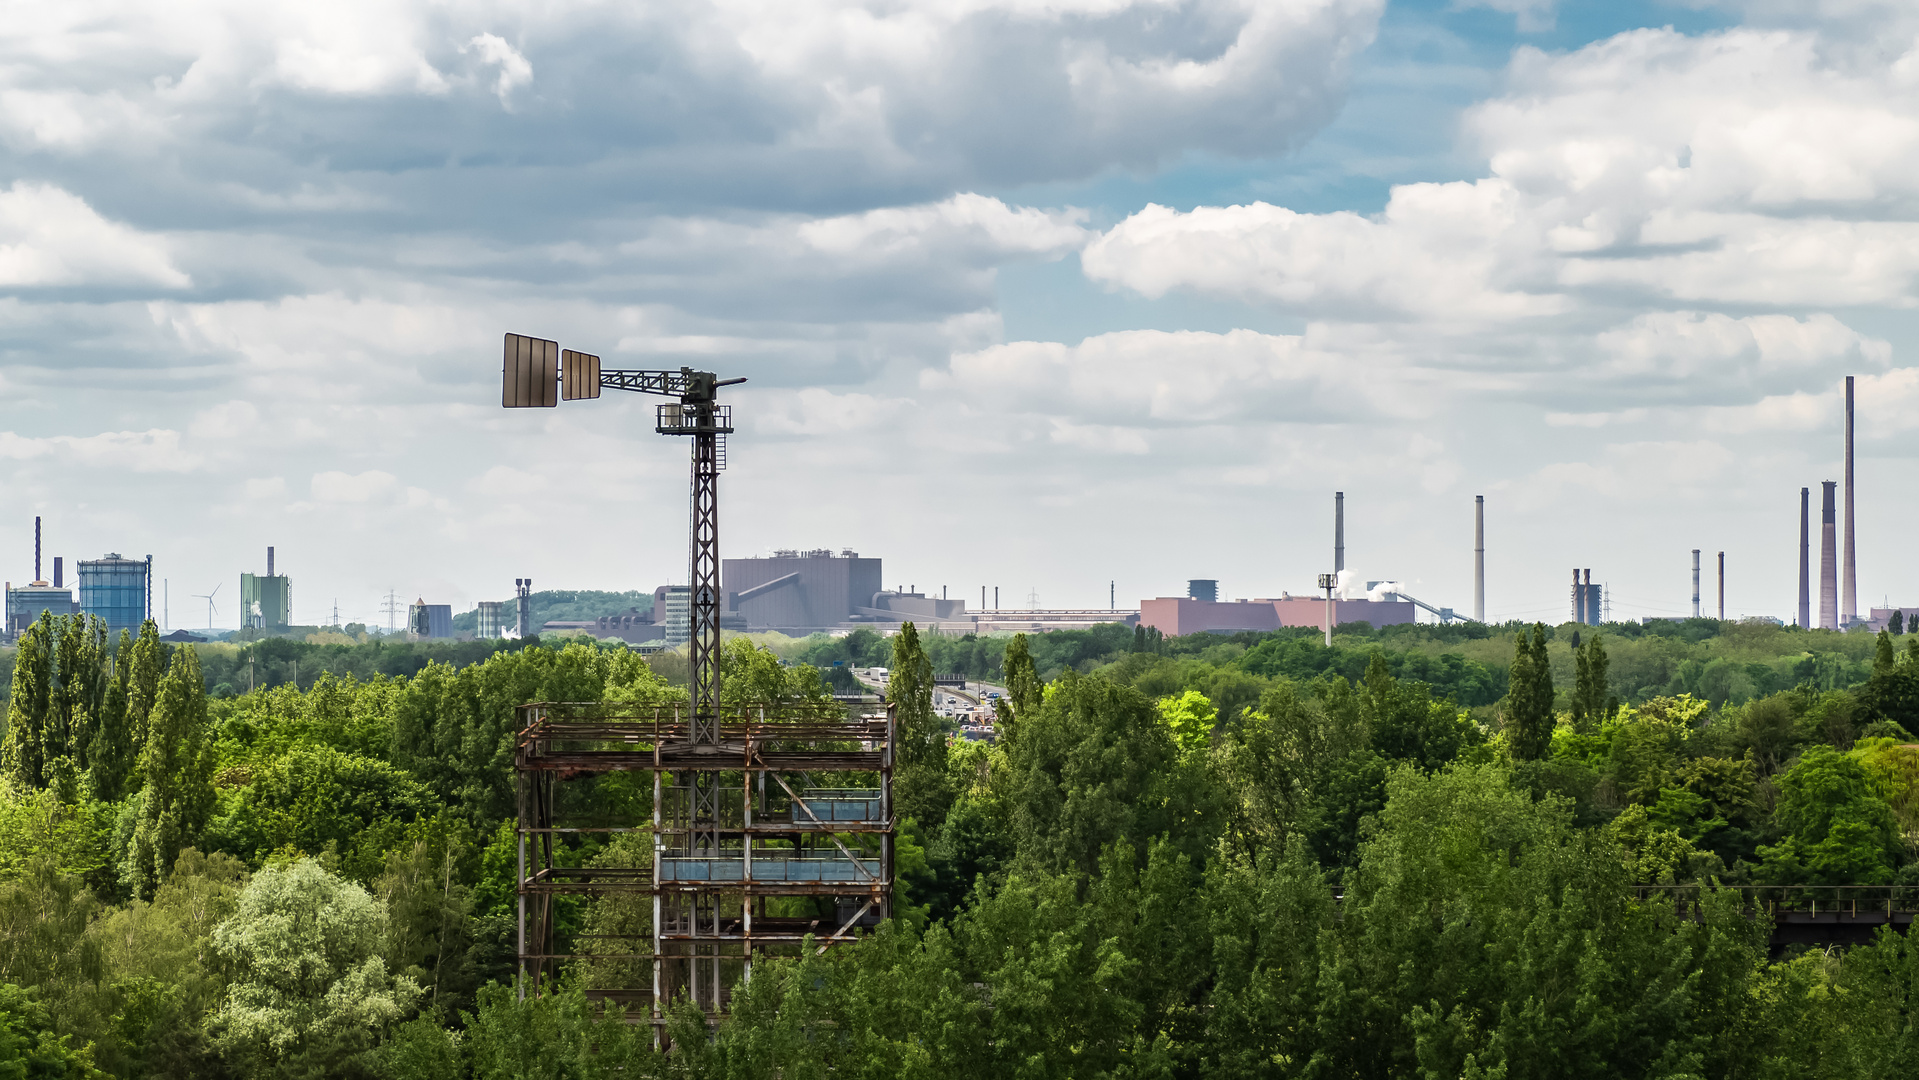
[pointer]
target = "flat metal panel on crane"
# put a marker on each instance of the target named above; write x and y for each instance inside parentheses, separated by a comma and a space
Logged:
(530, 376)
(579, 375)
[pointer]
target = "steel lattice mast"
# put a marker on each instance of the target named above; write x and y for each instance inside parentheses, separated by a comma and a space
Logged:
(535, 367)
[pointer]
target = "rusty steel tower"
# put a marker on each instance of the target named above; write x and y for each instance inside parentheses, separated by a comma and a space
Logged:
(748, 855)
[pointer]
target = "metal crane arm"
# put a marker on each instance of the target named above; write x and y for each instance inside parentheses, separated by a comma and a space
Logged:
(686, 384)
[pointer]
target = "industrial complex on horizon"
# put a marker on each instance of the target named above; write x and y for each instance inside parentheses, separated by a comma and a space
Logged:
(799, 592)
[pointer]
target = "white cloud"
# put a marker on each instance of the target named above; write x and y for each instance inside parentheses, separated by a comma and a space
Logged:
(515, 71)
(1743, 167)
(1684, 345)
(935, 93)
(51, 237)
(1154, 378)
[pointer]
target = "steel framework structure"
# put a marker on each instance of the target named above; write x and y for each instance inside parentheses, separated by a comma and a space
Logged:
(726, 878)
(745, 847)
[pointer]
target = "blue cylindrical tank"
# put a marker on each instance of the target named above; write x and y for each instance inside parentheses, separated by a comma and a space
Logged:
(114, 589)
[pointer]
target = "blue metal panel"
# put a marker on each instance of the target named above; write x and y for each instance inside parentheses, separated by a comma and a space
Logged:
(817, 870)
(115, 590)
(862, 810)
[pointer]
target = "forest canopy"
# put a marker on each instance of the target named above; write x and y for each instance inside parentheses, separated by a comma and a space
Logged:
(1457, 851)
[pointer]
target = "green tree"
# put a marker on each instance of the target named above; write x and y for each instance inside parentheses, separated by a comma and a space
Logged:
(1529, 701)
(78, 695)
(1096, 766)
(177, 794)
(1189, 719)
(30, 1046)
(113, 756)
(24, 757)
(311, 993)
(1022, 682)
(1591, 702)
(143, 684)
(1882, 654)
(920, 782)
(1840, 831)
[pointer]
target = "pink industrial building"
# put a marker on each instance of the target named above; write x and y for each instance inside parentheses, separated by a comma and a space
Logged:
(1175, 616)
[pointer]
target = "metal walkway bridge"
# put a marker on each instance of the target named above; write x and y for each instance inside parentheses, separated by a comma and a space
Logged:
(1810, 915)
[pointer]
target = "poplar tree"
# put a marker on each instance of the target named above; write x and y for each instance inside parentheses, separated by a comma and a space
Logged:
(24, 755)
(1022, 682)
(1590, 703)
(77, 696)
(177, 776)
(143, 683)
(1529, 700)
(113, 755)
(920, 775)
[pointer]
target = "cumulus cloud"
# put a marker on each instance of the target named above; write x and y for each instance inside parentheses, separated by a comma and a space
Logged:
(1743, 167)
(513, 67)
(1154, 378)
(51, 237)
(680, 93)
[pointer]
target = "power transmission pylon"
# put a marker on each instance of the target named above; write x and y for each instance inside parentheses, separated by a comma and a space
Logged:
(391, 605)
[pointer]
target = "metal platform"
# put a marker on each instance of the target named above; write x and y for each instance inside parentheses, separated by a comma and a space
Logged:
(747, 849)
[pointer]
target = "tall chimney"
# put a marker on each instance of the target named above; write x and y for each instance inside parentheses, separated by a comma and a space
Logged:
(1479, 558)
(1805, 558)
(58, 578)
(1722, 586)
(1695, 583)
(1339, 531)
(1828, 562)
(1849, 588)
(1592, 600)
(1579, 600)
(36, 550)
(269, 561)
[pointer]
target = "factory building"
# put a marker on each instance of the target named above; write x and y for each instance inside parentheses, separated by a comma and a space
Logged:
(117, 590)
(491, 622)
(266, 600)
(26, 602)
(805, 590)
(1174, 616)
(426, 621)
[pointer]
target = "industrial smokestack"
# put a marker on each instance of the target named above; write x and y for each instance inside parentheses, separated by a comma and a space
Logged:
(1828, 562)
(1722, 586)
(59, 578)
(269, 561)
(1479, 558)
(1339, 531)
(1805, 558)
(1695, 583)
(1579, 600)
(37, 579)
(1849, 589)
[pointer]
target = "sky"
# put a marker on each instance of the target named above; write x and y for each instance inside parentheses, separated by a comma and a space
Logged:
(1048, 296)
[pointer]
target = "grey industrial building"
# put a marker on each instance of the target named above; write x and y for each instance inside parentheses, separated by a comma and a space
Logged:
(800, 590)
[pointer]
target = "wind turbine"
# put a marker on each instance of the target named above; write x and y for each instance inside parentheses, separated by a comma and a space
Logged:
(208, 597)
